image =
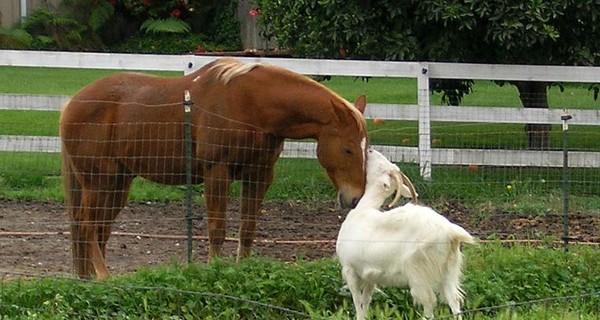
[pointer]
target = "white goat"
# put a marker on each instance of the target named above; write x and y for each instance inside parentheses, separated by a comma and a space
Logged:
(409, 245)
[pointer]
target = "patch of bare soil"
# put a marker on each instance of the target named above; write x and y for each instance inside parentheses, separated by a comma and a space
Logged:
(34, 235)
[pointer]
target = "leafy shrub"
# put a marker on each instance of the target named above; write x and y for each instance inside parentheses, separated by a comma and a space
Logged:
(129, 26)
(51, 31)
(169, 25)
(226, 28)
(162, 43)
(15, 38)
(172, 27)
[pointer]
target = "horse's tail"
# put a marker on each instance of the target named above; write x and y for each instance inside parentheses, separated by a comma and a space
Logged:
(73, 199)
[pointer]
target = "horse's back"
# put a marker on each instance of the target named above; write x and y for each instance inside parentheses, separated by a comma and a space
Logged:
(136, 121)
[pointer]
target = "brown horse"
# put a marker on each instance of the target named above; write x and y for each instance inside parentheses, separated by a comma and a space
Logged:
(128, 125)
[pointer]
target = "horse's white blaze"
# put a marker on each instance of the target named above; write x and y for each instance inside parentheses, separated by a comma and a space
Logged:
(363, 146)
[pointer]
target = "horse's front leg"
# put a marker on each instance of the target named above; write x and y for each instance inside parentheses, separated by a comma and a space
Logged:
(216, 194)
(253, 193)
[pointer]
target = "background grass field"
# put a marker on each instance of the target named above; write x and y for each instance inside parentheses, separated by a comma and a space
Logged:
(304, 179)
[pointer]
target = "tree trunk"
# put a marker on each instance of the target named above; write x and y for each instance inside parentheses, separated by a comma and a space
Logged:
(249, 28)
(533, 94)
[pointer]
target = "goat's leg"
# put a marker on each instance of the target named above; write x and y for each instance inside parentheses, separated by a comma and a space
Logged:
(367, 294)
(454, 298)
(451, 286)
(356, 286)
(425, 296)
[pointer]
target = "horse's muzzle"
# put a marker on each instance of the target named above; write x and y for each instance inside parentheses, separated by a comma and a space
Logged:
(346, 203)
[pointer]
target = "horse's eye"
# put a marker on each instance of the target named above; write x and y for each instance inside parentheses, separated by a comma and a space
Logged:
(347, 151)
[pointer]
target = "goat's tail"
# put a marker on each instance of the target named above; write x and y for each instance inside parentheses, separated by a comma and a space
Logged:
(453, 292)
(459, 235)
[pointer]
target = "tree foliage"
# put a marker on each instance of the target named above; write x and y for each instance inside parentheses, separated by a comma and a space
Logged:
(559, 32)
(340, 28)
(546, 32)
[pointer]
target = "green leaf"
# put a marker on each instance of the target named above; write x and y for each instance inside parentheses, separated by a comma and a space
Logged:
(170, 25)
(100, 15)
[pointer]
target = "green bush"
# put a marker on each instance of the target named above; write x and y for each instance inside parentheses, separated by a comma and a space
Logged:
(172, 27)
(53, 31)
(15, 38)
(226, 28)
(147, 27)
(221, 34)
(161, 43)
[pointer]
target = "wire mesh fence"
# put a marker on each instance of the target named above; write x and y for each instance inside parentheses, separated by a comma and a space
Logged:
(497, 177)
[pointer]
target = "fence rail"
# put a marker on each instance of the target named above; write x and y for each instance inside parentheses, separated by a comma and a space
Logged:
(424, 113)
(374, 110)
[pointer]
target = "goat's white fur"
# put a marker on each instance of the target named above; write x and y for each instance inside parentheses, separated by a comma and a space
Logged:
(410, 245)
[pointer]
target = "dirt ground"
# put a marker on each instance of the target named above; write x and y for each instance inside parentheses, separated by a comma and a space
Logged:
(34, 236)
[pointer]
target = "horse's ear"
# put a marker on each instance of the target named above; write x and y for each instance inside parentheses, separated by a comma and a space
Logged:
(361, 103)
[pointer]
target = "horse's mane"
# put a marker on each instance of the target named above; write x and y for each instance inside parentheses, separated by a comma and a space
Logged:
(226, 69)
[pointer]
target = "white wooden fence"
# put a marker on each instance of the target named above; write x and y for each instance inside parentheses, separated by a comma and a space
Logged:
(423, 112)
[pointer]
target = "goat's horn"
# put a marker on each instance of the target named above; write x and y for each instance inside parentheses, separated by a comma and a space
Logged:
(410, 186)
(398, 177)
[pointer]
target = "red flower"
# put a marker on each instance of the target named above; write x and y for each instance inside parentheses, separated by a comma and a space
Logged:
(199, 49)
(113, 2)
(147, 2)
(175, 13)
(254, 12)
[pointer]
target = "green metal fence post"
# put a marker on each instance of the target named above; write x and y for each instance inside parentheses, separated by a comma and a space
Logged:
(187, 104)
(565, 183)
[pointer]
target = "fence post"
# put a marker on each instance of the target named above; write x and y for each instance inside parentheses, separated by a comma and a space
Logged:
(424, 155)
(187, 104)
(565, 183)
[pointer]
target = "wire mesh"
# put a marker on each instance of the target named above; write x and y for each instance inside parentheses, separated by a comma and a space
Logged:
(494, 178)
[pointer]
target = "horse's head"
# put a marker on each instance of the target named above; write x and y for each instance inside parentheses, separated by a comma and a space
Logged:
(342, 148)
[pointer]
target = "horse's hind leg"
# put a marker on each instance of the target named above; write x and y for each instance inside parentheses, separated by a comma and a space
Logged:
(81, 236)
(85, 227)
(113, 206)
(216, 194)
(253, 192)
(91, 227)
